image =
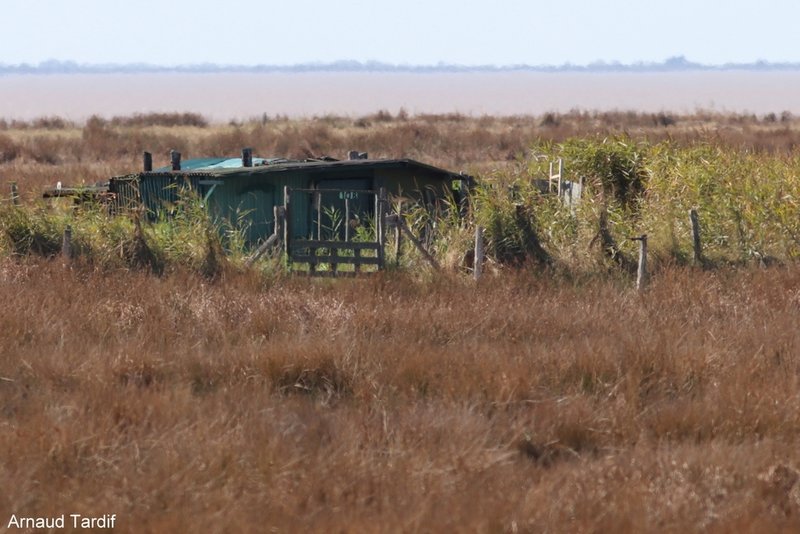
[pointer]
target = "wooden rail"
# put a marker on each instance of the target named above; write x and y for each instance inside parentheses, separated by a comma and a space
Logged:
(326, 257)
(316, 253)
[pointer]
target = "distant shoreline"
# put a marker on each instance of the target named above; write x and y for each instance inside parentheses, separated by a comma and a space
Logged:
(238, 96)
(674, 64)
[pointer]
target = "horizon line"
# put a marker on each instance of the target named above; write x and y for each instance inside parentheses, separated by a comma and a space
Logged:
(672, 64)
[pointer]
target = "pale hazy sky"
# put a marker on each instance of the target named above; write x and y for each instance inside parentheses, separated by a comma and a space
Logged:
(420, 32)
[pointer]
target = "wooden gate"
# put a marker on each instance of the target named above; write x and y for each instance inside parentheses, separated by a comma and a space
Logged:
(344, 231)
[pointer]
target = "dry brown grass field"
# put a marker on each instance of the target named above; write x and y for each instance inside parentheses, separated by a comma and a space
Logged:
(532, 401)
(43, 151)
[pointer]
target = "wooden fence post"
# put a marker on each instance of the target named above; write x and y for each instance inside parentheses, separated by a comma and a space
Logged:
(641, 274)
(147, 162)
(346, 220)
(477, 269)
(398, 237)
(66, 244)
(279, 213)
(14, 193)
(381, 228)
(318, 204)
(287, 217)
(698, 249)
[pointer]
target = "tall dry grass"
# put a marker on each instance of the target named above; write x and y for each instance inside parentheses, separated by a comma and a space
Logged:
(396, 403)
(533, 401)
(43, 151)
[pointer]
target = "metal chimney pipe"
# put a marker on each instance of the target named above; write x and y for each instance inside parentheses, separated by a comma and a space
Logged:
(247, 157)
(175, 158)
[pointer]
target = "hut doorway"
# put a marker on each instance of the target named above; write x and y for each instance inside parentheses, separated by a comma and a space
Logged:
(342, 208)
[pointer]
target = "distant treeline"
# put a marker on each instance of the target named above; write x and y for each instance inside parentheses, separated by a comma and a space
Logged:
(673, 64)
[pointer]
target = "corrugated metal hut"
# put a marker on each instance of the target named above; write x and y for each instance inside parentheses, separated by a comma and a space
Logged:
(246, 189)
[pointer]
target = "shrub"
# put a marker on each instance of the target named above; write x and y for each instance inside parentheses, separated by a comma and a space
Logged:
(161, 119)
(27, 231)
(615, 166)
(8, 149)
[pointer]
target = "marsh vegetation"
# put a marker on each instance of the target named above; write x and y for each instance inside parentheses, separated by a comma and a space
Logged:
(546, 397)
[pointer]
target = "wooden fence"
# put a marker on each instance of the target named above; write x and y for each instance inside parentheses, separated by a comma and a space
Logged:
(326, 255)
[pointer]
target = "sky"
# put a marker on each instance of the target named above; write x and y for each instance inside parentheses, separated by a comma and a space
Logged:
(406, 32)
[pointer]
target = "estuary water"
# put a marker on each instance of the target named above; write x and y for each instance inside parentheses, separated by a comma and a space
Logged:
(226, 96)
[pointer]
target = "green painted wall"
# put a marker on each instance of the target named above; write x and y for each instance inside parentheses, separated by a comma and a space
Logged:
(246, 198)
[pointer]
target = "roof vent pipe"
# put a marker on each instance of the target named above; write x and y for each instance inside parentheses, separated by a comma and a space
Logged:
(175, 158)
(247, 157)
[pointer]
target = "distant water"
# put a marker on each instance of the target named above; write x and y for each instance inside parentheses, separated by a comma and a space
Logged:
(222, 97)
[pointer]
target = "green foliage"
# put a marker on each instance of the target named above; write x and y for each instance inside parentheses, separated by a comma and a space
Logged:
(441, 229)
(186, 235)
(495, 208)
(748, 203)
(27, 231)
(614, 166)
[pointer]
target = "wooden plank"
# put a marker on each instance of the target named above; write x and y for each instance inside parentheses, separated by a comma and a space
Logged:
(427, 255)
(341, 260)
(323, 190)
(352, 245)
(332, 274)
(271, 240)
(335, 264)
